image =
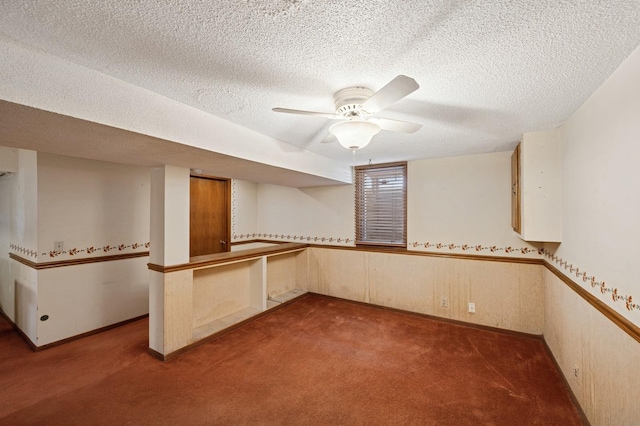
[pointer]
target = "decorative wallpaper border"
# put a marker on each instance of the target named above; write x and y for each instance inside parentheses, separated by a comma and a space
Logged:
(90, 250)
(233, 206)
(476, 247)
(74, 251)
(289, 237)
(22, 250)
(595, 283)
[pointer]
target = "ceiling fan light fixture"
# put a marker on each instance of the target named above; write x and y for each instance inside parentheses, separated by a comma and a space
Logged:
(354, 134)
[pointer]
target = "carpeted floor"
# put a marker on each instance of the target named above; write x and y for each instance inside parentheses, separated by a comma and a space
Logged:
(318, 361)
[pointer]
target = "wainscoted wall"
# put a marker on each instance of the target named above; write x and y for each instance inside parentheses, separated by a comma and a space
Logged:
(607, 358)
(599, 250)
(506, 295)
(96, 209)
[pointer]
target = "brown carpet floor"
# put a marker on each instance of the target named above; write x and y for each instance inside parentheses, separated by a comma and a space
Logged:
(316, 361)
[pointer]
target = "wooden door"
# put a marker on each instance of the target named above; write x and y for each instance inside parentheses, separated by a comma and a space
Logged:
(209, 213)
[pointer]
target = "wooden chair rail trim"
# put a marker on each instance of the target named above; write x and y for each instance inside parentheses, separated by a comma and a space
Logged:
(229, 257)
(255, 240)
(78, 261)
(389, 250)
(627, 326)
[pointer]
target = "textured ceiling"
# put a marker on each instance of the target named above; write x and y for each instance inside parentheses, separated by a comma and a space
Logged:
(488, 71)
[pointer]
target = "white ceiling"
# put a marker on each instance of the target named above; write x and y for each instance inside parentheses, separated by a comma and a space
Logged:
(488, 71)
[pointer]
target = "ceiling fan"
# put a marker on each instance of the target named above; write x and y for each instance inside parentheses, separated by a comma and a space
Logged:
(355, 106)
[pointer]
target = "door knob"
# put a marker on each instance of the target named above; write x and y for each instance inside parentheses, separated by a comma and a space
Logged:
(223, 242)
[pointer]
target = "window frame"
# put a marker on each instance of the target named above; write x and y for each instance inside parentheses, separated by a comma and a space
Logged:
(358, 174)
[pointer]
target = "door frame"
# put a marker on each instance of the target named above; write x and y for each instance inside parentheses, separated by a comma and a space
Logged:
(227, 205)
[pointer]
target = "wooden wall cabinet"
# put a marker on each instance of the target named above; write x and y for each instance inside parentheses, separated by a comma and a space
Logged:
(536, 187)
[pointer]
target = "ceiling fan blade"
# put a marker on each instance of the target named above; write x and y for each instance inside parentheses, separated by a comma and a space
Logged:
(300, 112)
(396, 125)
(395, 90)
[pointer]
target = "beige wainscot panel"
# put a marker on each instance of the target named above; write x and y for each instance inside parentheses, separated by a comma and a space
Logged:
(302, 270)
(178, 310)
(339, 273)
(220, 291)
(282, 274)
(606, 357)
(403, 282)
(506, 295)
(156, 311)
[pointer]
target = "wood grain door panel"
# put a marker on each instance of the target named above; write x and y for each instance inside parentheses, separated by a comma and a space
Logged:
(209, 215)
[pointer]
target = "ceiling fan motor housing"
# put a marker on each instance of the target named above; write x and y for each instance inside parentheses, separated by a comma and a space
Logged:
(349, 101)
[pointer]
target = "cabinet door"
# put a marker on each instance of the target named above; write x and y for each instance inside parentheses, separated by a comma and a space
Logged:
(515, 190)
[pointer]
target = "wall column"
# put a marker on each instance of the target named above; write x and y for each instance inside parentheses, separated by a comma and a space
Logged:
(169, 294)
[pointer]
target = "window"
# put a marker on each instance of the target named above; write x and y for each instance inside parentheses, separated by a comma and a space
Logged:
(381, 204)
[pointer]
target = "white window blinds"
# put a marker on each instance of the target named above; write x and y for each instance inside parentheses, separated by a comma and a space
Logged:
(381, 204)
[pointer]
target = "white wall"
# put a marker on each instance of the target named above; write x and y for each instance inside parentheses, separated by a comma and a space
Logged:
(169, 222)
(244, 210)
(8, 159)
(6, 279)
(321, 215)
(24, 206)
(86, 297)
(86, 203)
(463, 205)
(601, 200)
(22, 289)
(456, 205)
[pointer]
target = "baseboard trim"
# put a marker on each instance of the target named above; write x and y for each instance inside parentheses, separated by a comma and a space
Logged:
(436, 318)
(221, 333)
(627, 326)
(89, 333)
(36, 348)
(24, 337)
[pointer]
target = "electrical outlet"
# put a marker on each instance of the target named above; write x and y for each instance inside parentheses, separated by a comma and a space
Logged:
(472, 308)
(444, 302)
(576, 371)
(58, 246)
